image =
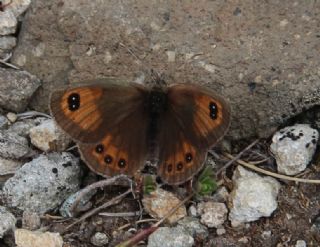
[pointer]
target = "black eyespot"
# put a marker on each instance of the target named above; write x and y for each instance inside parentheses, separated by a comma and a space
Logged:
(213, 110)
(122, 163)
(74, 101)
(169, 168)
(179, 166)
(189, 157)
(108, 159)
(99, 148)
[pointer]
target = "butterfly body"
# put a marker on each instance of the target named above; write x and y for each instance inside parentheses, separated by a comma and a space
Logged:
(119, 126)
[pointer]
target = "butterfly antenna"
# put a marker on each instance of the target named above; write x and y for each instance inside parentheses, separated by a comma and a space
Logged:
(156, 78)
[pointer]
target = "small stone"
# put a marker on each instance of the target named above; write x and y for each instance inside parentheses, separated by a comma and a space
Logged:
(221, 231)
(243, 240)
(171, 56)
(266, 234)
(253, 197)
(160, 202)
(194, 227)
(283, 23)
(31, 221)
(12, 117)
(99, 239)
(26, 238)
(3, 122)
(48, 137)
(213, 214)
(301, 243)
(13, 146)
(7, 221)
(170, 237)
(8, 22)
(107, 57)
(258, 79)
(22, 128)
(17, 7)
(83, 205)
(192, 211)
(16, 88)
(7, 42)
(221, 195)
(293, 148)
(43, 183)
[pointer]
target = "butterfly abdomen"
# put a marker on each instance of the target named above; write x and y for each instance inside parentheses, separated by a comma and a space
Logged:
(156, 104)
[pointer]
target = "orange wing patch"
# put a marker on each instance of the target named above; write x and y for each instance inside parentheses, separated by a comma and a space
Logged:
(105, 158)
(80, 106)
(209, 114)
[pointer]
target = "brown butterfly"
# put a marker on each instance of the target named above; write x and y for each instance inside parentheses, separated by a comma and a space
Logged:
(119, 127)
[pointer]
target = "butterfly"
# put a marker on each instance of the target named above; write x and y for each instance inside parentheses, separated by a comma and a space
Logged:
(119, 126)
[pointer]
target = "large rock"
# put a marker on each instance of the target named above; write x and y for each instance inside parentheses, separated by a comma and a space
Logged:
(254, 53)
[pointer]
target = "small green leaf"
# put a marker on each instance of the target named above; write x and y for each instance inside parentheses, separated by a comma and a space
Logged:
(206, 184)
(149, 185)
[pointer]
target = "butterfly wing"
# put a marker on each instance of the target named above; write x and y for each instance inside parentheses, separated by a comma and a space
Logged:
(196, 119)
(109, 123)
(122, 150)
(87, 113)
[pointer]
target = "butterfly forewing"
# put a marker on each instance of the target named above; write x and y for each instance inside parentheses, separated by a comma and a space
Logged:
(87, 113)
(195, 120)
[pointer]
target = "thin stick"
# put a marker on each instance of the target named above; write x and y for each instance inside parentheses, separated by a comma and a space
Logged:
(124, 214)
(137, 222)
(237, 157)
(272, 174)
(112, 202)
(93, 186)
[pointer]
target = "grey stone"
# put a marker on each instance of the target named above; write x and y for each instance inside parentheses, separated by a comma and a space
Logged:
(65, 209)
(44, 183)
(7, 221)
(18, 6)
(253, 197)
(7, 42)
(194, 227)
(16, 89)
(3, 122)
(13, 146)
(170, 237)
(22, 128)
(293, 148)
(8, 22)
(99, 239)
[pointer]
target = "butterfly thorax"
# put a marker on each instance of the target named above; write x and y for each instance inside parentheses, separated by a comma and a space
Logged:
(157, 102)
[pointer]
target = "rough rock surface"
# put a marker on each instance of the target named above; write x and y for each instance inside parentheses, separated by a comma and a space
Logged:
(253, 197)
(259, 55)
(293, 148)
(44, 183)
(16, 89)
(7, 221)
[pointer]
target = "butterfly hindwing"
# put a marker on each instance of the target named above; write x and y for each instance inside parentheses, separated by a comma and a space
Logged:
(122, 151)
(198, 119)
